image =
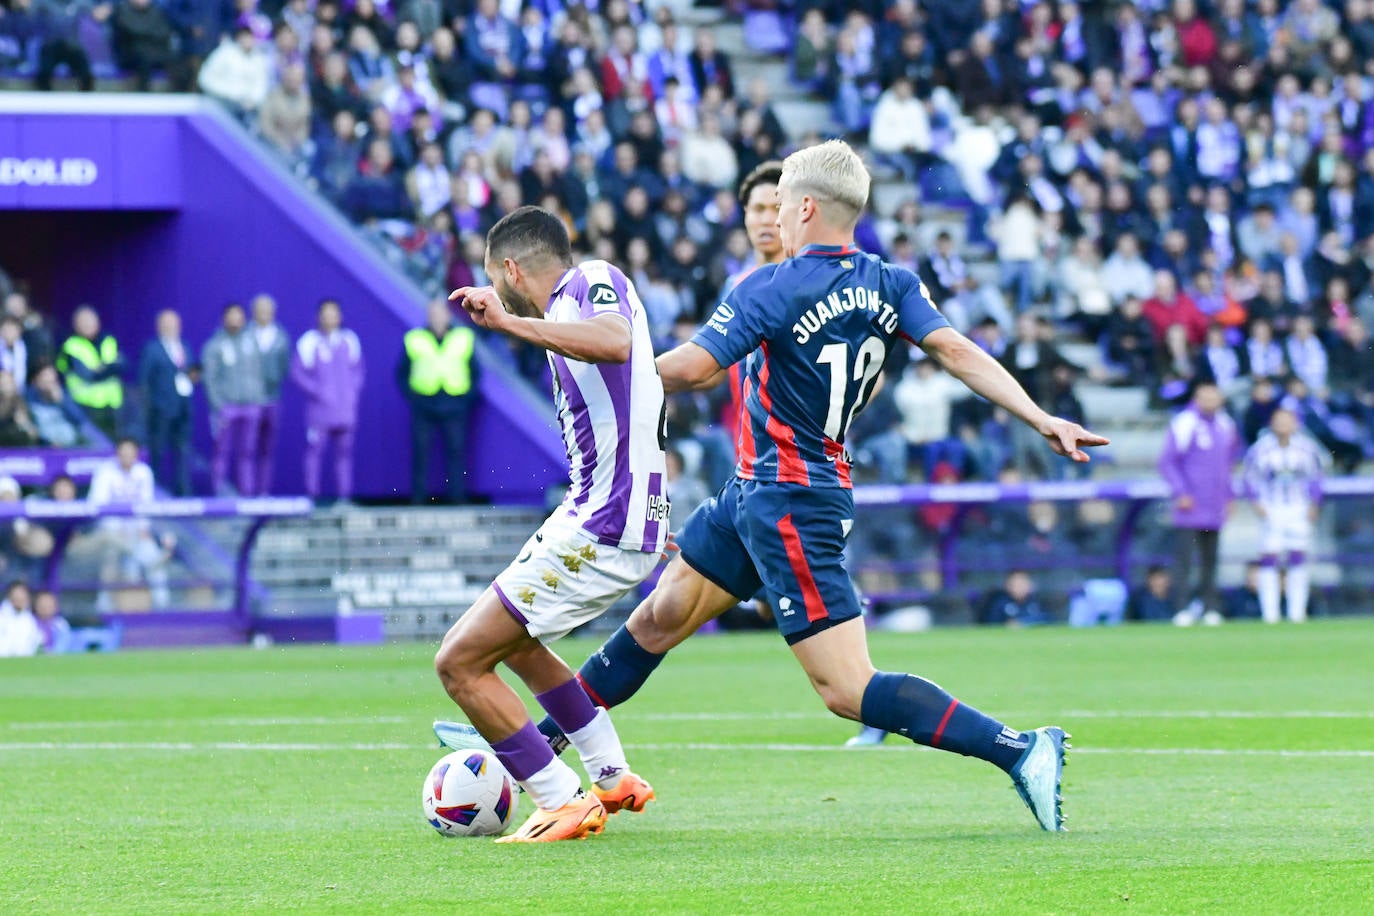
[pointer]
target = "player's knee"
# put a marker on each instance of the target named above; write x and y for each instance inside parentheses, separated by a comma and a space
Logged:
(452, 666)
(839, 700)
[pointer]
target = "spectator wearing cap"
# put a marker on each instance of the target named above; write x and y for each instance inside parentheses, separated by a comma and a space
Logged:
(237, 74)
(234, 386)
(167, 376)
(328, 367)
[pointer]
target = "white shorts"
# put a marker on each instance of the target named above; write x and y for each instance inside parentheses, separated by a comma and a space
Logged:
(1287, 529)
(563, 578)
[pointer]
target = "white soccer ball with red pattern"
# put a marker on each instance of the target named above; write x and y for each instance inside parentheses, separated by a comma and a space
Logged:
(469, 793)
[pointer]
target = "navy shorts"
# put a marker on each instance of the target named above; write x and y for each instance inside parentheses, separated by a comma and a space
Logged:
(782, 541)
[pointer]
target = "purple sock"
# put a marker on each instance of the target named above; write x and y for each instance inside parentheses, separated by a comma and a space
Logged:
(568, 705)
(524, 753)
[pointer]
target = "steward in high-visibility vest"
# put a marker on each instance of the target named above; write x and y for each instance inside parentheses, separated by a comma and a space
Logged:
(90, 364)
(439, 375)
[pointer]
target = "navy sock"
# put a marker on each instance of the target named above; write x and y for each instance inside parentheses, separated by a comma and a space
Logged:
(611, 675)
(917, 709)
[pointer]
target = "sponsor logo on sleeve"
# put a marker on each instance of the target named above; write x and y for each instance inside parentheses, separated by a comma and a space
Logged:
(722, 316)
(603, 294)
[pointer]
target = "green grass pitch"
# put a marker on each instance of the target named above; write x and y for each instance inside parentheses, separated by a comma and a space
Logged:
(1226, 770)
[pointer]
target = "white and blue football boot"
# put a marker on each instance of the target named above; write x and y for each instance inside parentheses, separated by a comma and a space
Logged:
(459, 736)
(868, 736)
(1038, 776)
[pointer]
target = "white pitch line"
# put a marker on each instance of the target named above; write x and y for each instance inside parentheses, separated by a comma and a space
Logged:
(187, 746)
(216, 722)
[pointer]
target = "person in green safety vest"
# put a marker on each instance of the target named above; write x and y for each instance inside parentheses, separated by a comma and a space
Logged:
(439, 376)
(91, 366)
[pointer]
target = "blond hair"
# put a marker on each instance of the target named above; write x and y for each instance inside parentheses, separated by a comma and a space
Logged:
(834, 175)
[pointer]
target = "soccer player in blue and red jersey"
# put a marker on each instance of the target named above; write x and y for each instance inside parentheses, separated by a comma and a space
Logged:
(817, 329)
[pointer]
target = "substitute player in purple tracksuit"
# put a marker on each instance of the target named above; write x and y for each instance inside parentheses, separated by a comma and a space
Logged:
(823, 323)
(1200, 449)
(328, 366)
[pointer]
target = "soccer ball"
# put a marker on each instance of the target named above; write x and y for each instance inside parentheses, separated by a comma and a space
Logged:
(469, 793)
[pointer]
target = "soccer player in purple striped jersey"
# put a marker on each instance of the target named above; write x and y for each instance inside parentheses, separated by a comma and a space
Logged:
(602, 542)
(817, 329)
(1283, 475)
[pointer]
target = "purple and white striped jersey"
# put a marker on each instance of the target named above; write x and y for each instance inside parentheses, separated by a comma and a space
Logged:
(1284, 476)
(612, 418)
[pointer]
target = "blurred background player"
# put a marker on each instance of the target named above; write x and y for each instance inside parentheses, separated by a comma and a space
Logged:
(1200, 448)
(602, 542)
(1283, 475)
(274, 358)
(781, 523)
(328, 366)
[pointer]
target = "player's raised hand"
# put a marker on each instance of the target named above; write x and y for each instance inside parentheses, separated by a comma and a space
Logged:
(1069, 439)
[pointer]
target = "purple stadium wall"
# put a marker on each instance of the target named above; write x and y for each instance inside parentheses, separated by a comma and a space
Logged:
(136, 204)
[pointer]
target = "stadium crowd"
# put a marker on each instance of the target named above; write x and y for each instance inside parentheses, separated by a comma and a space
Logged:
(1188, 185)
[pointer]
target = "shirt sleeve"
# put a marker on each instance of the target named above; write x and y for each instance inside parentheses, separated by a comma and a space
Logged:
(916, 311)
(741, 320)
(603, 295)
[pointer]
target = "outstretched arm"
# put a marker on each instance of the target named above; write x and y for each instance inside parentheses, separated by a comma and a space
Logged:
(689, 367)
(967, 362)
(602, 339)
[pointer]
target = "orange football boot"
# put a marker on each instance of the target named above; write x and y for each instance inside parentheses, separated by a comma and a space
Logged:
(576, 820)
(631, 793)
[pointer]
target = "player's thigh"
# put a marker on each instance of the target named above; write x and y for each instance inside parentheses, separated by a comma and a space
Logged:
(711, 543)
(681, 603)
(481, 639)
(564, 578)
(836, 660)
(796, 536)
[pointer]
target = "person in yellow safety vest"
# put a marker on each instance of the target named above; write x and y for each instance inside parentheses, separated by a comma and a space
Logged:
(439, 374)
(91, 367)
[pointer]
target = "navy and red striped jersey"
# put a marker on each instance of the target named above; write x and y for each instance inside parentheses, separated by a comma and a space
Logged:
(817, 329)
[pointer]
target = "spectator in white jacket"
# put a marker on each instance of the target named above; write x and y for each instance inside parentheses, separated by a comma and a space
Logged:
(900, 131)
(925, 398)
(20, 634)
(131, 551)
(237, 73)
(707, 157)
(1017, 233)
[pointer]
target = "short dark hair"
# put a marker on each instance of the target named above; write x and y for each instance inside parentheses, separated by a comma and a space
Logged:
(530, 233)
(16, 583)
(119, 443)
(232, 305)
(327, 300)
(769, 172)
